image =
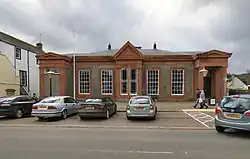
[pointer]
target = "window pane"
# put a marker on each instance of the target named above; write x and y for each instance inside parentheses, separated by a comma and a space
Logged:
(107, 81)
(133, 74)
(124, 87)
(124, 74)
(84, 80)
(177, 82)
(153, 82)
(133, 88)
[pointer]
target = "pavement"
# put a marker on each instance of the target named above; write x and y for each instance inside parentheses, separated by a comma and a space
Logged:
(165, 106)
(63, 143)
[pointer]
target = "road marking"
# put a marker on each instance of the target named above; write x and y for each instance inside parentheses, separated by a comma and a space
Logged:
(199, 116)
(128, 151)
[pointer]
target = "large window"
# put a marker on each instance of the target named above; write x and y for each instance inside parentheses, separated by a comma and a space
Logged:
(133, 81)
(124, 81)
(23, 77)
(107, 81)
(153, 82)
(84, 81)
(177, 82)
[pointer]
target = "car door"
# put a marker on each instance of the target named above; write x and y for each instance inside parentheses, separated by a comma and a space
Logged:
(69, 105)
(27, 103)
(74, 105)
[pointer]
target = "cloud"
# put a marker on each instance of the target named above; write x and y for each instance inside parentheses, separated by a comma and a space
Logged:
(176, 25)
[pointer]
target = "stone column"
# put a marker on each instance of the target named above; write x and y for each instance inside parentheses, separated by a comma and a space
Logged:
(41, 81)
(62, 81)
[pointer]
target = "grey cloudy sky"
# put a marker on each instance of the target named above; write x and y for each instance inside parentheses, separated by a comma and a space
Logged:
(176, 25)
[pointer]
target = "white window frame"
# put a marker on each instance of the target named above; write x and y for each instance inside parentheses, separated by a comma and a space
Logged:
(121, 81)
(103, 82)
(135, 80)
(158, 83)
(183, 84)
(86, 82)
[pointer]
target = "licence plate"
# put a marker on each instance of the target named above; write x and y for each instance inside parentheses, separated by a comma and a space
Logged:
(89, 108)
(233, 115)
(42, 108)
(139, 108)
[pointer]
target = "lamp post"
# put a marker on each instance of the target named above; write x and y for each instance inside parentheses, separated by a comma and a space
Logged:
(50, 73)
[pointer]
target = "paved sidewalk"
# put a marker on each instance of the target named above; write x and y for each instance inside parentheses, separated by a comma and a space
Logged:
(165, 106)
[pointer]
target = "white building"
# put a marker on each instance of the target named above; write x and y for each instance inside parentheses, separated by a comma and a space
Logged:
(22, 55)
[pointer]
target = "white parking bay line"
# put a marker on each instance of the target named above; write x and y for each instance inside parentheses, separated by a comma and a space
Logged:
(199, 117)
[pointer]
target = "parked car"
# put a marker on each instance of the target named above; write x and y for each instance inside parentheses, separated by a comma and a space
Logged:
(97, 107)
(141, 106)
(57, 106)
(233, 112)
(16, 106)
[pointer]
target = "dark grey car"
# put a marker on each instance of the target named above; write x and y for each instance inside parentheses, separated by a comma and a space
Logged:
(233, 112)
(97, 107)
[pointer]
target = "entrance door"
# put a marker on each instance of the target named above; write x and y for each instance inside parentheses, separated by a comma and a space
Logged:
(207, 85)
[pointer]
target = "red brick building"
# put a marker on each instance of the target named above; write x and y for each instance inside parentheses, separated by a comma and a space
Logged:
(122, 73)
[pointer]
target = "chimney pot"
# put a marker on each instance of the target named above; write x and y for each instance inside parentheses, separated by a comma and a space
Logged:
(154, 46)
(109, 46)
(39, 46)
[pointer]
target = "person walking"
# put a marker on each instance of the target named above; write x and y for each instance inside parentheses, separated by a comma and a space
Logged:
(202, 100)
(198, 93)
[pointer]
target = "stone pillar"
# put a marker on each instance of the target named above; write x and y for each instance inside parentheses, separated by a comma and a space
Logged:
(117, 86)
(62, 81)
(41, 81)
(140, 81)
(200, 81)
(220, 74)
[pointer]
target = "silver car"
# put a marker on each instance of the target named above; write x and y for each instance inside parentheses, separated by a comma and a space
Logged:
(141, 107)
(233, 112)
(57, 106)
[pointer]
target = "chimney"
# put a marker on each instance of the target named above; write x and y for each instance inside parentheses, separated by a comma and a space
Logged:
(154, 46)
(109, 46)
(39, 46)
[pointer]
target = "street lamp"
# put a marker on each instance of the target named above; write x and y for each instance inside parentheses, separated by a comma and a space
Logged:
(204, 72)
(50, 73)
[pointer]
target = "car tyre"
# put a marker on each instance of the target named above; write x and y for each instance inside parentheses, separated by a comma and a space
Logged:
(107, 114)
(129, 118)
(81, 117)
(18, 113)
(115, 110)
(64, 114)
(220, 129)
(40, 118)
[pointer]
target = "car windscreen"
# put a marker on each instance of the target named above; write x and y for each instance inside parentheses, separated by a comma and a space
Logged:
(140, 100)
(50, 100)
(240, 103)
(94, 100)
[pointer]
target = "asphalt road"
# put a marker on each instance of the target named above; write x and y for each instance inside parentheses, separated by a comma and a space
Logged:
(60, 143)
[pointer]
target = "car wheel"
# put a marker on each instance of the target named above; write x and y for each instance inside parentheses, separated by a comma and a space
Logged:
(220, 129)
(129, 118)
(18, 113)
(64, 114)
(40, 118)
(81, 117)
(107, 114)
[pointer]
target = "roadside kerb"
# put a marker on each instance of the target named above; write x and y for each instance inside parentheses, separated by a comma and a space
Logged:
(107, 127)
